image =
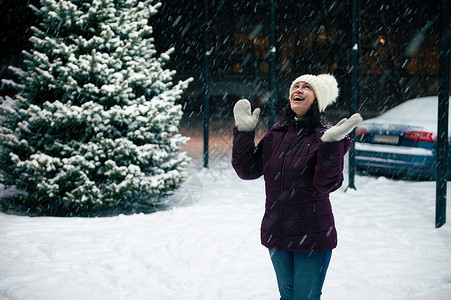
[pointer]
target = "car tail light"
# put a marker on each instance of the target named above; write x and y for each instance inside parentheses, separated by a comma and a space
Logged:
(360, 131)
(420, 136)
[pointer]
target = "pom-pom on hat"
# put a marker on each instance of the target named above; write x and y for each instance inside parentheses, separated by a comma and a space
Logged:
(325, 87)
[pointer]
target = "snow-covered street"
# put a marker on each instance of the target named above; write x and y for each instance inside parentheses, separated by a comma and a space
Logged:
(388, 247)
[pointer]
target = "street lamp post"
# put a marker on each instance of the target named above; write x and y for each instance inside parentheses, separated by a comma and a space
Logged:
(272, 67)
(443, 112)
(352, 104)
(206, 84)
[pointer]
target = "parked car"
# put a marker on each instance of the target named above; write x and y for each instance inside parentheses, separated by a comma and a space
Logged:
(402, 142)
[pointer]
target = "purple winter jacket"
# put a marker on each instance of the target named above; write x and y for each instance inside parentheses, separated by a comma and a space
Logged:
(299, 171)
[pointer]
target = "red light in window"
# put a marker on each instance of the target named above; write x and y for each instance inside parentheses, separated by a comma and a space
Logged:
(420, 136)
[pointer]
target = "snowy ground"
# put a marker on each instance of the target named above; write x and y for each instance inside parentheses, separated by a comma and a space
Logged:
(388, 247)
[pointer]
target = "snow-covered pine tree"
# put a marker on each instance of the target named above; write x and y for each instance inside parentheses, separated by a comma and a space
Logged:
(94, 124)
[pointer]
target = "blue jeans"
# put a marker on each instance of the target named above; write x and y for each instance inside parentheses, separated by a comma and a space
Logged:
(300, 275)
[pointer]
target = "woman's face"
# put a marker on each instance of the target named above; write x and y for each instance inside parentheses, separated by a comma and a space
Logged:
(302, 97)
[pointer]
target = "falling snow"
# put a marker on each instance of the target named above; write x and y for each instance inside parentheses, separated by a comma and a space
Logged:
(207, 246)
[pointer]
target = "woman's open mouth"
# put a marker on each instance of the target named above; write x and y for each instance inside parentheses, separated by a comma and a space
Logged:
(298, 98)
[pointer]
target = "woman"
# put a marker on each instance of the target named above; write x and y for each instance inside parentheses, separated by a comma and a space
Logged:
(302, 162)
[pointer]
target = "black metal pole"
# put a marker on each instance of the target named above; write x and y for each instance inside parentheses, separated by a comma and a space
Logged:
(352, 103)
(206, 83)
(443, 112)
(272, 67)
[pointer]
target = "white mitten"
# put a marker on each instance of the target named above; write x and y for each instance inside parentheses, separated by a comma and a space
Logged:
(341, 129)
(244, 120)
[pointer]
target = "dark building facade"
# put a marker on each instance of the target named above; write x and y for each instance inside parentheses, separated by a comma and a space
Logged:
(398, 47)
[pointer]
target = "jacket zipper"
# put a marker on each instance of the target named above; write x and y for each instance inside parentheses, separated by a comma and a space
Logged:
(282, 185)
(315, 221)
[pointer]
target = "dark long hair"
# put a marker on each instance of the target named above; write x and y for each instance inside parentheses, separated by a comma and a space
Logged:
(312, 118)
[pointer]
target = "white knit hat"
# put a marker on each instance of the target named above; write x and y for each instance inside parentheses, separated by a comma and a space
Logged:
(325, 87)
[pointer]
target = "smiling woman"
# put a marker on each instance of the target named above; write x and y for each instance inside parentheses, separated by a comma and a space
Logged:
(301, 161)
(325, 89)
(301, 98)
